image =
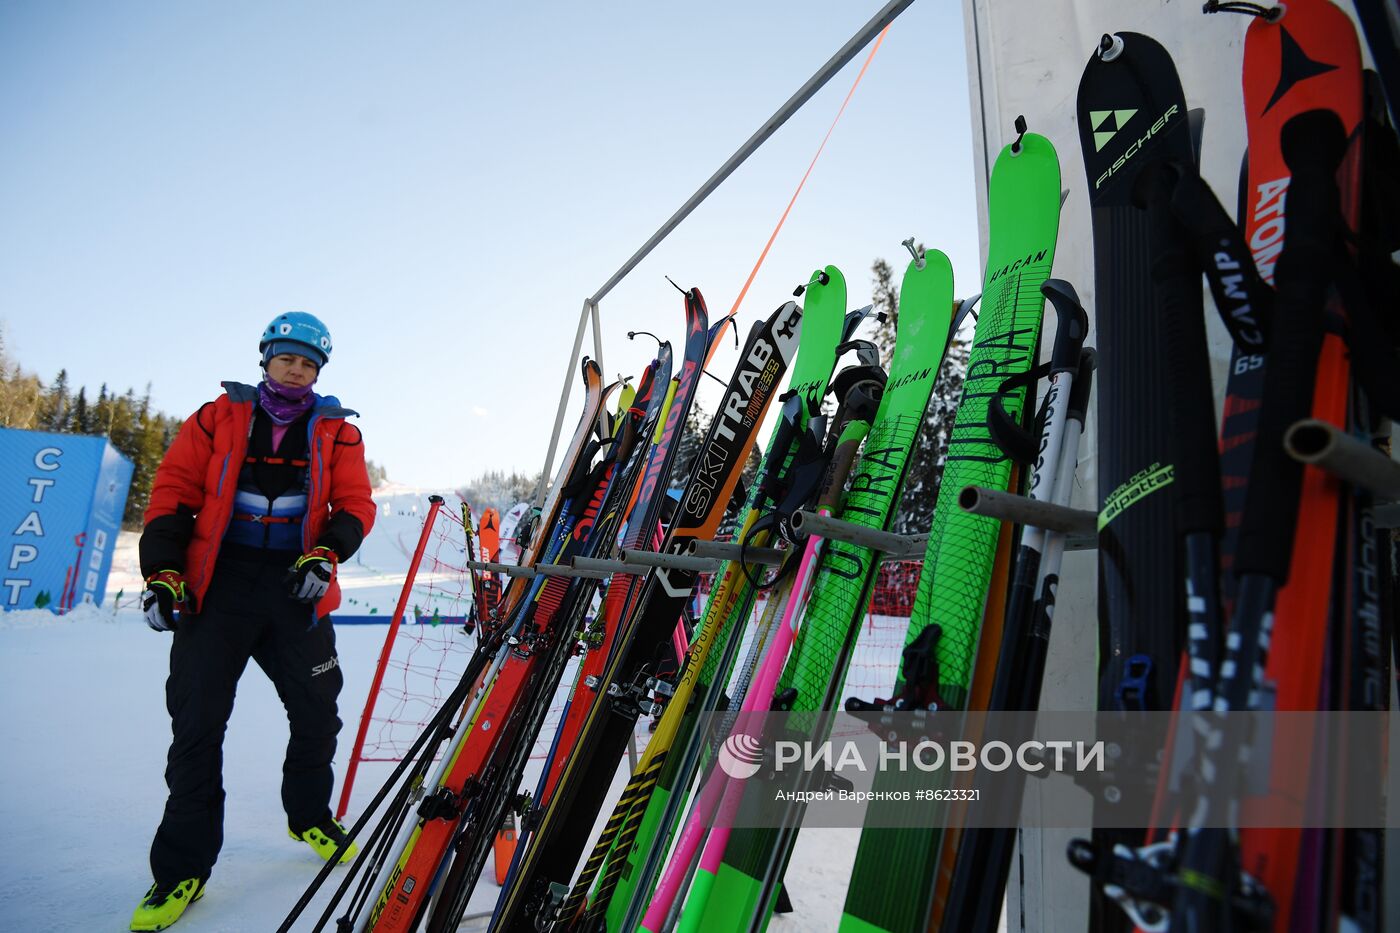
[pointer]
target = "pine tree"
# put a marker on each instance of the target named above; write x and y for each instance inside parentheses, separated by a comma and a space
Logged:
(378, 476)
(80, 423)
(141, 434)
(496, 489)
(697, 425)
(56, 404)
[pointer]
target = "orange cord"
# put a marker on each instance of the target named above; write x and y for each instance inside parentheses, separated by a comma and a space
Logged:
(781, 220)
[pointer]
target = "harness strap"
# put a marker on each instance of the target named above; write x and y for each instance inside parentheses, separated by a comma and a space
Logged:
(268, 519)
(278, 461)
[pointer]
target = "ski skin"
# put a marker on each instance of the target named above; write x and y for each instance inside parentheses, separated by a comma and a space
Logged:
(745, 886)
(652, 781)
(558, 843)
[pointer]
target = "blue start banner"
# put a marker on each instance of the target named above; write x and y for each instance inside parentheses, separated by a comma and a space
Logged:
(61, 503)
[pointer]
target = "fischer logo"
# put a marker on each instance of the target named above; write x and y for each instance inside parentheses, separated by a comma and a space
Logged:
(741, 756)
(1098, 118)
(1106, 128)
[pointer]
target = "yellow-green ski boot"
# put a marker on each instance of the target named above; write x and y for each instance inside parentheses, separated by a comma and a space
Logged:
(163, 906)
(325, 838)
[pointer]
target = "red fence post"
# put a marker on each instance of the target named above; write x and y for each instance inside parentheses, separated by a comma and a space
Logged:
(350, 769)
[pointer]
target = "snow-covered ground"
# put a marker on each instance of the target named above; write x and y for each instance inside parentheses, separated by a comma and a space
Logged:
(83, 740)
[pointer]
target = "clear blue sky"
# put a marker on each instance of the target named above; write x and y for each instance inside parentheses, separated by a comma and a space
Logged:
(444, 183)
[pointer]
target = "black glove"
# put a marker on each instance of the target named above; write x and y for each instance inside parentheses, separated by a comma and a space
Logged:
(310, 577)
(165, 589)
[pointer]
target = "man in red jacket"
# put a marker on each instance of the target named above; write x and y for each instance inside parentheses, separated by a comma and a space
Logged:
(263, 492)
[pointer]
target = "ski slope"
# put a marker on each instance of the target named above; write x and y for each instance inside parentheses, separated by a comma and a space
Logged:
(84, 738)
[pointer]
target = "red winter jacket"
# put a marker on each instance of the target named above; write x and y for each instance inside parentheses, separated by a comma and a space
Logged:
(193, 492)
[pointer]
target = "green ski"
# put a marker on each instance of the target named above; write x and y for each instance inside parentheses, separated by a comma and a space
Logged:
(892, 883)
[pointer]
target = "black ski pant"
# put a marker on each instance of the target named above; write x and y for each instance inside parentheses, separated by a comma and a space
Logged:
(247, 613)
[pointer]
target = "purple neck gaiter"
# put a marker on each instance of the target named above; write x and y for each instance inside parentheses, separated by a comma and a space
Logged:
(283, 403)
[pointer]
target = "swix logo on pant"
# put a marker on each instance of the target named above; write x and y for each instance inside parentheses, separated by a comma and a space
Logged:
(321, 668)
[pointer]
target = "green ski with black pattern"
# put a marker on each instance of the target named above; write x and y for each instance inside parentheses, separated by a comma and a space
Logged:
(892, 883)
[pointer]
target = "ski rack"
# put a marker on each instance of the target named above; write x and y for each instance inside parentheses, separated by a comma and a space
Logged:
(510, 570)
(630, 561)
(1079, 526)
(669, 561)
(561, 570)
(728, 550)
(893, 546)
(1325, 446)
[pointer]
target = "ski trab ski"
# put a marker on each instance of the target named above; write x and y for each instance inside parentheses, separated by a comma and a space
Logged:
(629, 679)
(631, 831)
(746, 883)
(892, 884)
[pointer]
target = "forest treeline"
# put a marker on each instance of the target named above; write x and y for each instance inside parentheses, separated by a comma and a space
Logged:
(134, 428)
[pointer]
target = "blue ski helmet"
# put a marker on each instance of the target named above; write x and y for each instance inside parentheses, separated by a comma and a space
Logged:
(297, 332)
